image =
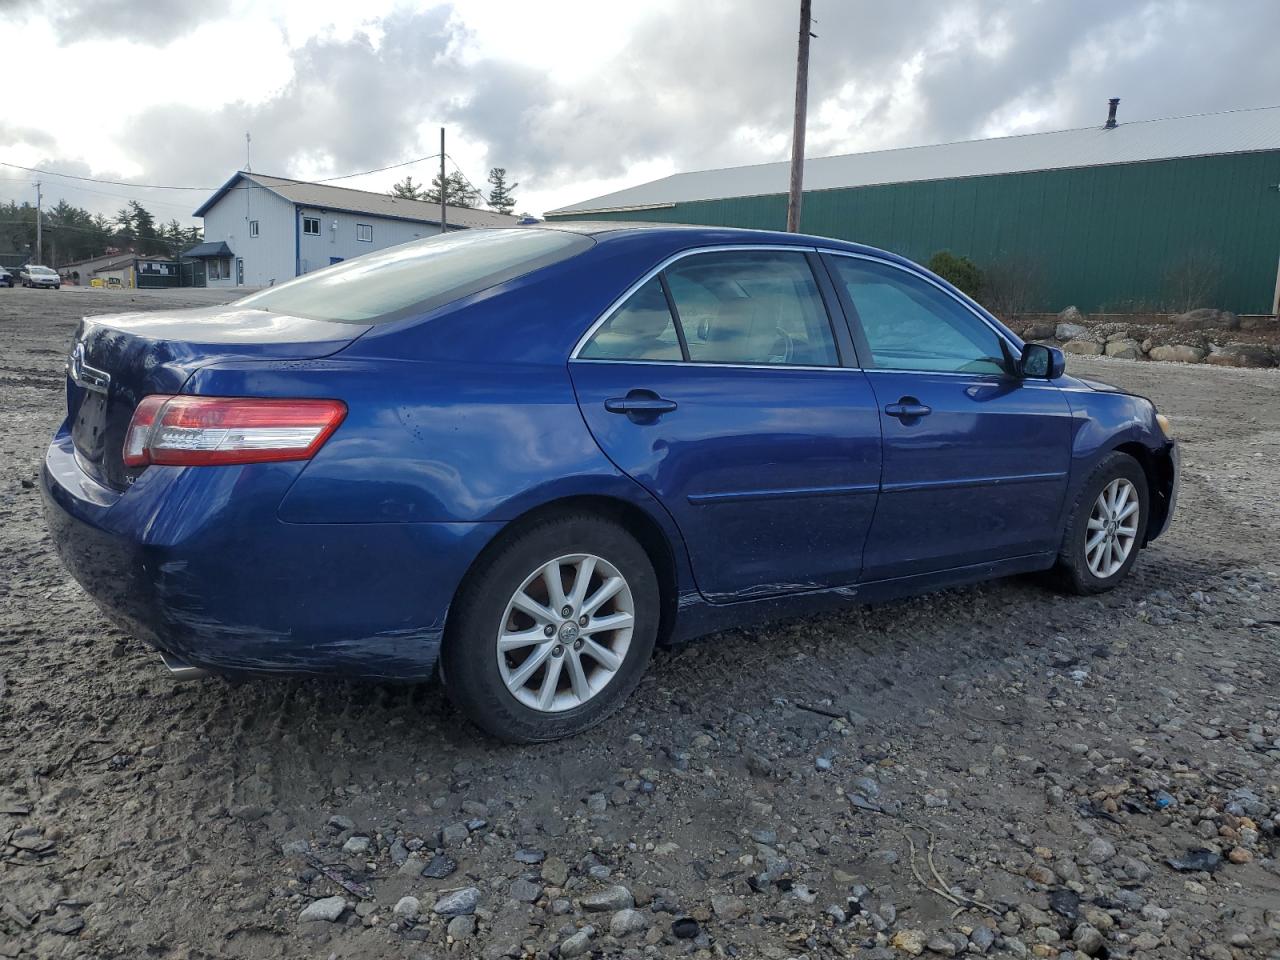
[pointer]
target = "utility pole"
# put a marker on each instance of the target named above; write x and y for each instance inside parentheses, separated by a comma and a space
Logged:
(248, 142)
(39, 235)
(443, 215)
(802, 105)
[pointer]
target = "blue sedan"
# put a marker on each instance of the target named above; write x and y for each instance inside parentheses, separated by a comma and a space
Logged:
(523, 457)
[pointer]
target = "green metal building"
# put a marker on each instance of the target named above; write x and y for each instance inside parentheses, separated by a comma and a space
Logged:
(1123, 217)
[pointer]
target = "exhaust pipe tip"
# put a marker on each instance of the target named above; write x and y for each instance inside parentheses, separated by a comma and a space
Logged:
(181, 671)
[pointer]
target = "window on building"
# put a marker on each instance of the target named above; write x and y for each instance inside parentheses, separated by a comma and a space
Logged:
(912, 325)
(311, 226)
(364, 232)
(253, 228)
(213, 269)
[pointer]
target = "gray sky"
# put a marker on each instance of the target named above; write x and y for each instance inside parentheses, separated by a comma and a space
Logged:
(578, 98)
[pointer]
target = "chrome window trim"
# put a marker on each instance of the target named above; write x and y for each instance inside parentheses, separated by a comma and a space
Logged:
(920, 276)
(717, 365)
(681, 255)
(983, 377)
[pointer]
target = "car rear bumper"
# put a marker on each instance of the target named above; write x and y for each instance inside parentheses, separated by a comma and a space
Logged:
(195, 562)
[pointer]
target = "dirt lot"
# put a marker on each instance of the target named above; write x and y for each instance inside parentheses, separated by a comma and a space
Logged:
(1046, 757)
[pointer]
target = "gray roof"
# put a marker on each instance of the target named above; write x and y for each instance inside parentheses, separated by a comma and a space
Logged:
(328, 197)
(1238, 131)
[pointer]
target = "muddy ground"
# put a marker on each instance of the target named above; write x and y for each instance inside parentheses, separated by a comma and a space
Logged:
(759, 796)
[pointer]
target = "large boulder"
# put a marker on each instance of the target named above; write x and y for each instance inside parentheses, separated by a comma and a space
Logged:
(1242, 355)
(1070, 325)
(1085, 347)
(1040, 330)
(1206, 318)
(1177, 353)
(1124, 349)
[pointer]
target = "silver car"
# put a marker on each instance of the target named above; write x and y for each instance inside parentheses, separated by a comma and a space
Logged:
(36, 276)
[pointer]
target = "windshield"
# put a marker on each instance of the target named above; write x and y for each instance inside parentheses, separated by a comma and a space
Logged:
(42, 271)
(420, 275)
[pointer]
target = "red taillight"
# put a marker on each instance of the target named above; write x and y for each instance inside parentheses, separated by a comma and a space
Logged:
(201, 431)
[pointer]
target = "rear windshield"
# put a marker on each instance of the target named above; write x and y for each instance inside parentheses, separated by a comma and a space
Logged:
(418, 276)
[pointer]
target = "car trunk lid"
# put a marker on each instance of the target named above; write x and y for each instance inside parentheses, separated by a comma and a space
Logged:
(117, 360)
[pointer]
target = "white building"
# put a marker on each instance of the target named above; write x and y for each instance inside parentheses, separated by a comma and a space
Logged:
(261, 230)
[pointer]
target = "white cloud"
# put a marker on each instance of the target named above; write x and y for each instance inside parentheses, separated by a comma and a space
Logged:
(577, 98)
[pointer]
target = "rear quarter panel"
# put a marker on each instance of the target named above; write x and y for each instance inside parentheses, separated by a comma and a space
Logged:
(432, 441)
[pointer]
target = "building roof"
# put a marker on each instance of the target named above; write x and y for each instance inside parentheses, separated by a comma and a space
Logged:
(122, 260)
(1238, 131)
(99, 258)
(344, 199)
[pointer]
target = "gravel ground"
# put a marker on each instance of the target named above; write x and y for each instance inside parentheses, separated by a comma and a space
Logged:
(1093, 775)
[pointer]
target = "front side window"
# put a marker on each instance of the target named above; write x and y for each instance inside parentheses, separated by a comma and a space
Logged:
(364, 232)
(912, 325)
(253, 228)
(311, 226)
(640, 329)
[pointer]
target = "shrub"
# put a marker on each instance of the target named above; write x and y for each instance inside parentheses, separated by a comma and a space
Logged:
(1013, 285)
(960, 272)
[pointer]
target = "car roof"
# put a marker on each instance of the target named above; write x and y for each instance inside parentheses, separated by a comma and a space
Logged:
(681, 235)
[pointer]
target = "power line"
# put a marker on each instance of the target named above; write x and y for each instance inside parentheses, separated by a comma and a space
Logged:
(362, 173)
(480, 194)
(76, 188)
(169, 186)
(118, 183)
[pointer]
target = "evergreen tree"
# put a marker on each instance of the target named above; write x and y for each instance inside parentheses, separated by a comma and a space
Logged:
(500, 196)
(408, 190)
(72, 233)
(144, 228)
(457, 191)
(125, 232)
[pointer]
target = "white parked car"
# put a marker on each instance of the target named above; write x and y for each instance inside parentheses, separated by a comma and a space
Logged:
(35, 276)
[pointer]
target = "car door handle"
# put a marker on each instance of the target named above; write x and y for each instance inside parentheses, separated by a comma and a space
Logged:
(640, 405)
(908, 408)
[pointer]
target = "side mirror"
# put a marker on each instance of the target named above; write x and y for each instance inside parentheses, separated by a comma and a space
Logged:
(1042, 363)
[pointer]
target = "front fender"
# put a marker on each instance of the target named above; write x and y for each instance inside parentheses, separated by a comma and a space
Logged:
(1106, 421)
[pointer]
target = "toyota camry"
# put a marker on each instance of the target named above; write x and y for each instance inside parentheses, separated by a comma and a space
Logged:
(519, 458)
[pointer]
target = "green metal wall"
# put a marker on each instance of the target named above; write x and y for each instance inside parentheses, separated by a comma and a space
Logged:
(1103, 238)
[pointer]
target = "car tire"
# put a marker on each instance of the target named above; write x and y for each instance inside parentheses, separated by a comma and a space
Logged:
(1089, 565)
(489, 685)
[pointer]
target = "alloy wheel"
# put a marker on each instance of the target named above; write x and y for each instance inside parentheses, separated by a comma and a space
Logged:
(565, 633)
(1113, 528)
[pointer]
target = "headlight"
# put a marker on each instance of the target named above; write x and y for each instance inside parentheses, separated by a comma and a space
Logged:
(1165, 427)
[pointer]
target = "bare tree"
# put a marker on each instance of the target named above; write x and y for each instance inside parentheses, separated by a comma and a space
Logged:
(1013, 285)
(1192, 280)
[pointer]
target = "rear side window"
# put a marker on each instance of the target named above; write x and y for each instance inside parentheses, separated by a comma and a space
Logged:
(912, 325)
(752, 306)
(641, 329)
(419, 276)
(744, 307)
